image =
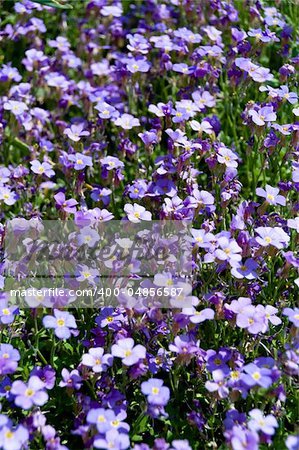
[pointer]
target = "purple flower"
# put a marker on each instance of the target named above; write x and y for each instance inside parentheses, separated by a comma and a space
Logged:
(156, 393)
(63, 323)
(292, 442)
(218, 384)
(130, 354)
(75, 132)
(184, 345)
(81, 161)
(46, 374)
(259, 422)
(244, 270)
(243, 439)
(255, 375)
(181, 68)
(106, 111)
(96, 359)
(293, 315)
(68, 206)
(44, 168)
(9, 358)
(70, 379)
(271, 195)
(7, 313)
(27, 395)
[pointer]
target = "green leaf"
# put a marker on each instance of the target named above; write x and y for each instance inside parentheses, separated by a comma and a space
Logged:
(61, 4)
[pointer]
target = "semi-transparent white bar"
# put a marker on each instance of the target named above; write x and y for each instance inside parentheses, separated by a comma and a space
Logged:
(91, 263)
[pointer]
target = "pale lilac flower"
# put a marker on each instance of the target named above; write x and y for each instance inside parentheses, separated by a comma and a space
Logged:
(13, 438)
(271, 195)
(243, 439)
(292, 442)
(252, 319)
(138, 65)
(44, 168)
(263, 115)
(62, 322)
(113, 440)
(229, 249)
(61, 43)
(85, 273)
(227, 157)
(7, 313)
(96, 359)
(255, 375)
(17, 108)
(238, 306)
(9, 73)
(218, 384)
(81, 161)
(199, 316)
(106, 111)
(181, 68)
(180, 444)
(111, 163)
(203, 127)
(4, 175)
(285, 129)
(203, 99)
(88, 236)
(293, 315)
(27, 395)
(113, 11)
(272, 236)
(130, 354)
(75, 132)
(291, 97)
(156, 393)
(127, 121)
(201, 238)
(9, 197)
(294, 224)
(259, 422)
(137, 213)
(269, 312)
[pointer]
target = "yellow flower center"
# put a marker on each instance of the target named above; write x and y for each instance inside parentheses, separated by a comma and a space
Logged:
(256, 375)
(60, 322)
(29, 392)
(155, 390)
